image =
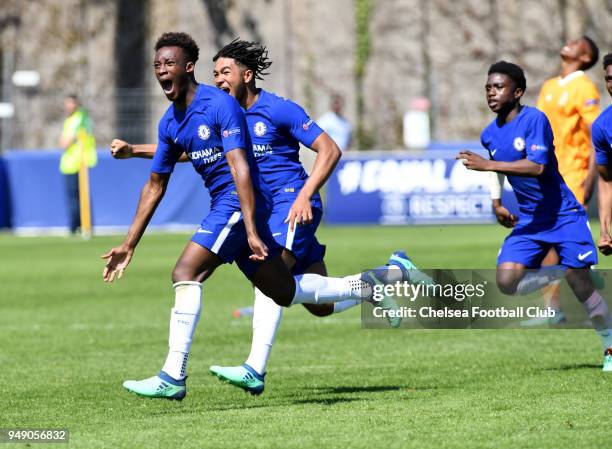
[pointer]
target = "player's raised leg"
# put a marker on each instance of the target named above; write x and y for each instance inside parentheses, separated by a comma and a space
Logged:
(410, 273)
(267, 314)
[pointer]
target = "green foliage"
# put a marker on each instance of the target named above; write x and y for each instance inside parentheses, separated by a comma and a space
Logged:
(363, 9)
(309, 81)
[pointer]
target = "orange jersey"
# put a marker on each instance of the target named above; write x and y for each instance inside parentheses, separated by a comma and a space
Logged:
(571, 105)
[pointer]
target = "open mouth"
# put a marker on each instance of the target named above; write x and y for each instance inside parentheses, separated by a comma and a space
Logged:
(167, 86)
(225, 89)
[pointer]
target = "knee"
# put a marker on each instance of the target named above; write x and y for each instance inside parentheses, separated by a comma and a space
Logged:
(507, 282)
(580, 282)
(281, 296)
(281, 293)
(182, 272)
(320, 310)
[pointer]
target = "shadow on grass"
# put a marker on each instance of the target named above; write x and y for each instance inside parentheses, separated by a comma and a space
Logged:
(325, 401)
(371, 389)
(575, 366)
(241, 406)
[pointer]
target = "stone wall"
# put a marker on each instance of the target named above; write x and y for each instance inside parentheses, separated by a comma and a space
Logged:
(435, 48)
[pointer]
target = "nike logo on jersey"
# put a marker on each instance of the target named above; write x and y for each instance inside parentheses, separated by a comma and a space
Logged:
(493, 152)
(276, 234)
(175, 139)
(584, 256)
(203, 231)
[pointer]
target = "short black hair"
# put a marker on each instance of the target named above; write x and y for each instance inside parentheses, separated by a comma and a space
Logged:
(594, 53)
(607, 60)
(250, 54)
(513, 71)
(178, 39)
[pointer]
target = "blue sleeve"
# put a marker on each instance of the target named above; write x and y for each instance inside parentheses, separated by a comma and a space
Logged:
(601, 143)
(539, 139)
(232, 124)
(292, 119)
(167, 152)
(484, 141)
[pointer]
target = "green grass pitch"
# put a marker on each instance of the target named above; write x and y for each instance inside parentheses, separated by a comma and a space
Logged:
(68, 342)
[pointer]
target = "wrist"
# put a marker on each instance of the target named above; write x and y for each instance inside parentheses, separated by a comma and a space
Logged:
(251, 230)
(305, 193)
(127, 247)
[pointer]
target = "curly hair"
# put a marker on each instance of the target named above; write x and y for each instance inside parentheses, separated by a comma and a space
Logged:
(250, 54)
(513, 71)
(182, 40)
(607, 60)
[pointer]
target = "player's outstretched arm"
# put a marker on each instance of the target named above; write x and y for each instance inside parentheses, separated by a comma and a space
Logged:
(120, 149)
(328, 155)
(522, 167)
(241, 173)
(118, 258)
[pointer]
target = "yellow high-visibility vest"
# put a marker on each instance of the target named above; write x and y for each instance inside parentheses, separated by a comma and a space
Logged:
(78, 126)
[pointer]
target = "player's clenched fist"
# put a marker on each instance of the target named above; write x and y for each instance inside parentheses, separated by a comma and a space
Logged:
(505, 218)
(473, 161)
(605, 245)
(120, 149)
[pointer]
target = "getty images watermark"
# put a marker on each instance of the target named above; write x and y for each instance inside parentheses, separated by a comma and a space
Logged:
(469, 299)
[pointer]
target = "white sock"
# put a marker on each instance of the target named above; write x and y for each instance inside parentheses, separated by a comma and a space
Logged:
(344, 305)
(535, 280)
(316, 289)
(597, 310)
(266, 318)
(183, 321)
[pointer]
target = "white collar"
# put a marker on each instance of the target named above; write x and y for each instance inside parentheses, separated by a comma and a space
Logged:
(565, 80)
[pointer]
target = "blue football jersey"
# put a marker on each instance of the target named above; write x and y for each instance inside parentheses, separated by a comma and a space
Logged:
(277, 126)
(212, 125)
(541, 199)
(602, 137)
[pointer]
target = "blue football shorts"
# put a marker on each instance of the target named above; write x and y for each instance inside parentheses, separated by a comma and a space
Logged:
(302, 241)
(223, 233)
(569, 235)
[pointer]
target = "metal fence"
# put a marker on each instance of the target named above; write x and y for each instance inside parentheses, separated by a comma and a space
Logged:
(122, 113)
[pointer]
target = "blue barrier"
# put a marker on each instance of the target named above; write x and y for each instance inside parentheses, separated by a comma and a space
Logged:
(38, 199)
(428, 188)
(5, 200)
(453, 145)
(365, 188)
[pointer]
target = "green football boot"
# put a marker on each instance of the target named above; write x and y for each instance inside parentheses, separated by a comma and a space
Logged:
(242, 376)
(410, 273)
(160, 386)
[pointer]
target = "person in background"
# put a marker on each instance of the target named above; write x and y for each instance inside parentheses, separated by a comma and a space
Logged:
(334, 124)
(571, 104)
(78, 142)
